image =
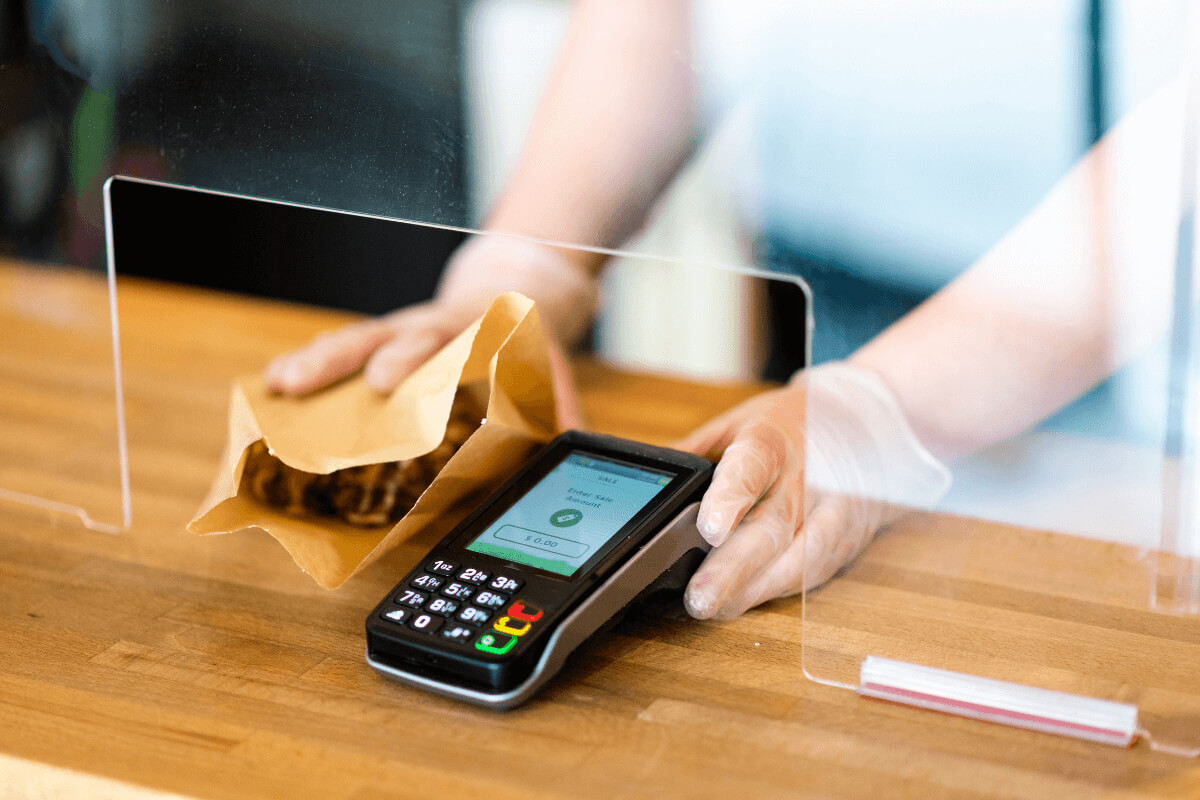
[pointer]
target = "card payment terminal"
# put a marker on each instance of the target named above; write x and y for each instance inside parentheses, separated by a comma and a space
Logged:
(493, 611)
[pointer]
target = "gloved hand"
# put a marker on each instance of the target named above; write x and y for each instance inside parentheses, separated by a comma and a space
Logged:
(388, 348)
(842, 426)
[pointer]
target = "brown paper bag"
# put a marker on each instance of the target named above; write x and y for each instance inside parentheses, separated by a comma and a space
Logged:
(349, 425)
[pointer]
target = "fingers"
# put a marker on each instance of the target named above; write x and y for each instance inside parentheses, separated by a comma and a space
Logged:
(391, 347)
(809, 560)
(751, 512)
(728, 570)
(748, 469)
(409, 349)
(327, 358)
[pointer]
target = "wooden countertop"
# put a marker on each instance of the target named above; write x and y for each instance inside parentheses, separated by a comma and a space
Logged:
(211, 667)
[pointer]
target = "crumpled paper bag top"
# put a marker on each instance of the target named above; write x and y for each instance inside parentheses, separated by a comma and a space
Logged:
(349, 424)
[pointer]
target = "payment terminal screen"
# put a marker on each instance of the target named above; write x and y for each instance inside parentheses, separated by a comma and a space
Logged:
(571, 513)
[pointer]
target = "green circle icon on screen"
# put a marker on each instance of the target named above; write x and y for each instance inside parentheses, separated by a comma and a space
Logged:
(566, 518)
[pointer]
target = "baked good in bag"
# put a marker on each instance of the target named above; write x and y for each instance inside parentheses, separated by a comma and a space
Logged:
(369, 495)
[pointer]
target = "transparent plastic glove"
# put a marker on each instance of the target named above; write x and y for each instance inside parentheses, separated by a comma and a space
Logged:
(388, 348)
(864, 467)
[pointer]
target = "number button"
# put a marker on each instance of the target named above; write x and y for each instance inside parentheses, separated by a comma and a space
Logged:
(442, 607)
(459, 591)
(441, 567)
(426, 623)
(430, 583)
(412, 598)
(503, 583)
(474, 616)
(458, 633)
(472, 575)
(397, 615)
(490, 599)
(496, 643)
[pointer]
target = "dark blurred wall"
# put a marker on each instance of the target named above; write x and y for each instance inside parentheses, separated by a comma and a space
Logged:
(350, 106)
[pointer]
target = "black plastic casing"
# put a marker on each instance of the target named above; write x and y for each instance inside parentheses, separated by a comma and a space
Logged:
(464, 665)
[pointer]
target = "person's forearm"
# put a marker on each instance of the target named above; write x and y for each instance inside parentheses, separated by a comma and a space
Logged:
(1077, 289)
(612, 129)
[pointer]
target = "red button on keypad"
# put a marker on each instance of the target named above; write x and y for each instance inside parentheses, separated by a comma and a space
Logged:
(524, 611)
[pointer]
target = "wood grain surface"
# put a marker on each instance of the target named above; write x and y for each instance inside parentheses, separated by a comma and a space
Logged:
(211, 667)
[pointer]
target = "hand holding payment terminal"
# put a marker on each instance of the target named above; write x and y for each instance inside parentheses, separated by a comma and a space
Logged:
(493, 611)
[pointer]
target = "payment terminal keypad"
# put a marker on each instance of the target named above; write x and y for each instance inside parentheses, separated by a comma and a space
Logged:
(428, 582)
(474, 615)
(441, 606)
(490, 599)
(397, 615)
(441, 567)
(496, 644)
(467, 605)
(459, 633)
(473, 575)
(506, 583)
(459, 591)
(525, 612)
(425, 623)
(412, 598)
(509, 625)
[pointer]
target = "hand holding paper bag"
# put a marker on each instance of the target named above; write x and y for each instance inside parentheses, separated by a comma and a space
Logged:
(502, 357)
(390, 347)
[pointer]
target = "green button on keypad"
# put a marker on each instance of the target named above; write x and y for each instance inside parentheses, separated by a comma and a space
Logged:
(496, 643)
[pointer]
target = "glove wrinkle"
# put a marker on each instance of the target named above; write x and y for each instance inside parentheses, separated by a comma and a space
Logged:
(813, 472)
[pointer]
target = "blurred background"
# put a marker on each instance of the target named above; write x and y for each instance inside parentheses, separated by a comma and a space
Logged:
(876, 150)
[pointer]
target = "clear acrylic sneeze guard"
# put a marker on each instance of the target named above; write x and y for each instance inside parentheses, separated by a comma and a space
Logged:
(1077, 622)
(62, 432)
